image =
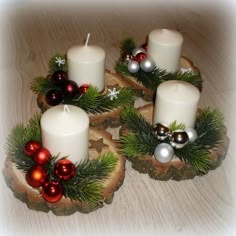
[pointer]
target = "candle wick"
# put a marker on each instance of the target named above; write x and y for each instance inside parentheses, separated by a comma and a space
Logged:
(87, 39)
(66, 108)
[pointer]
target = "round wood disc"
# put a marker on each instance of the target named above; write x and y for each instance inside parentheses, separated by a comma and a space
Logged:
(175, 169)
(147, 93)
(100, 142)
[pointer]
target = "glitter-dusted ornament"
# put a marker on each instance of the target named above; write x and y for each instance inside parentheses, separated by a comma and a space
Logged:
(36, 176)
(161, 131)
(192, 134)
(138, 50)
(147, 64)
(127, 57)
(144, 46)
(179, 139)
(31, 147)
(64, 169)
(83, 88)
(133, 66)
(140, 56)
(52, 191)
(42, 156)
(59, 77)
(70, 88)
(164, 152)
(53, 97)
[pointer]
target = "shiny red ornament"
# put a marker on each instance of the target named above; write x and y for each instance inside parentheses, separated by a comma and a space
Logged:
(59, 77)
(31, 147)
(53, 97)
(64, 169)
(70, 88)
(84, 88)
(36, 176)
(140, 56)
(52, 191)
(42, 156)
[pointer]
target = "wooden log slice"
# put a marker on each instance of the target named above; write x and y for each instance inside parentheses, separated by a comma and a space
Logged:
(147, 93)
(100, 142)
(175, 169)
(106, 119)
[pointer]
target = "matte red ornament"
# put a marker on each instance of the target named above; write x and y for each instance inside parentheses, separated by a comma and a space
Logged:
(140, 56)
(84, 88)
(36, 176)
(59, 77)
(52, 191)
(42, 156)
(53, 97)
(31, 147)
(64, 169)
(70, 88)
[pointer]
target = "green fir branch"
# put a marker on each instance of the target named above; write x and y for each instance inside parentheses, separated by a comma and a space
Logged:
(53, 66)
(175, 126)
(127, 45)
(41, 84)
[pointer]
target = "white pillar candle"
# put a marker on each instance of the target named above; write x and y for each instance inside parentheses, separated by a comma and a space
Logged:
(164, 47)
(86, 65)
(176, 101)
(64, 130)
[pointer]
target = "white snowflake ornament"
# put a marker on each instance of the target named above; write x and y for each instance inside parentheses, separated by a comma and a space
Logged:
(59, 61)
(113, 93)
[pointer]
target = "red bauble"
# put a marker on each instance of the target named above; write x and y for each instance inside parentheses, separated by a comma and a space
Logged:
(36, 176)
(53, 97)
(59, 77)
(52, 191)
(70, 88)
(140, 56)
(31, 147)
(84, 88)
(42, 156)
(64, 169)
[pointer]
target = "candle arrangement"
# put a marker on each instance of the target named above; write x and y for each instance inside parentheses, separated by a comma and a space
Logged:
(77, 168)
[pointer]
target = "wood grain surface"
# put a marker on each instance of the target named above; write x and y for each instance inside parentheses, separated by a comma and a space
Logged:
(31, 33)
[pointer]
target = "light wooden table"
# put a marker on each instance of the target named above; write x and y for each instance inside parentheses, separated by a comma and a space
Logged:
(30, 34)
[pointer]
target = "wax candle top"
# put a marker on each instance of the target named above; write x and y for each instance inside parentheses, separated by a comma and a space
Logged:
(86, 54)
(64, 120)
(166, 37)
(178, 91)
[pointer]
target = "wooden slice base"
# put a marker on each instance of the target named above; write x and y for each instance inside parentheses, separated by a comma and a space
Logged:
(100, 142)
(146, 93)
(106, 119)
(176, 169)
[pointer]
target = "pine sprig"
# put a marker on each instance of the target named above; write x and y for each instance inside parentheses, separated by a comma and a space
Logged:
(41, 84)
(141, 140)
(127, 45)
(175, 126)
(54, 66)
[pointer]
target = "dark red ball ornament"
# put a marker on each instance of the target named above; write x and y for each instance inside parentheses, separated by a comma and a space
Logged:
(36, 176)
(70, 88)
(42, 156)
(53, 97)
(52, 191)
(84, 88)
(140, 56)
(64, 169)
(31, 147)
(59, 77)
(145, 46)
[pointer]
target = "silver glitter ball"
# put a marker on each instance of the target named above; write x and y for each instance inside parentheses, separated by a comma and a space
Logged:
(138, 50)
(164, 152)
(179, 139)
(133, 66)
(147, 64)
(192, 134)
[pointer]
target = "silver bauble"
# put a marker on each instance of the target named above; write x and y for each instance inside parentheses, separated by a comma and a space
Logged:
(147, 64)
(133, 66)
(161, 131)
(138, 50)
(192, 134)
(179, 139)
(164, 152)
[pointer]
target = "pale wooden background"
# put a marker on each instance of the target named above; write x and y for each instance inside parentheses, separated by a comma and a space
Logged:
(30, 34)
